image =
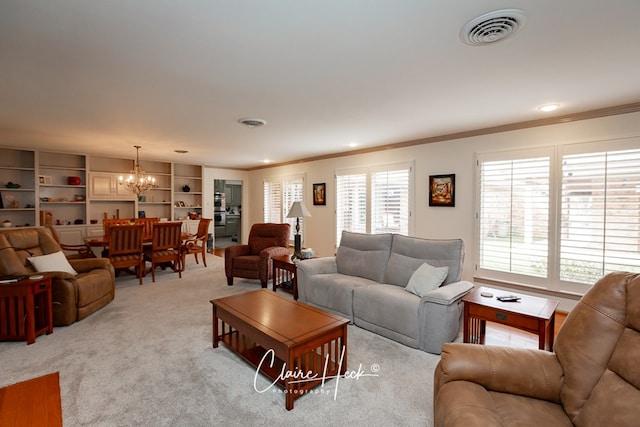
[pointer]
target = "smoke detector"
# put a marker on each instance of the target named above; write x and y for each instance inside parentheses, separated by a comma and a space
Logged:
(493, 26)
(252, 123)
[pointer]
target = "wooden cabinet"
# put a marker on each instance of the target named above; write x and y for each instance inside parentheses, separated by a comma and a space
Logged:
(17, 171)
(233, 194)
(232, 226)
(104, 185)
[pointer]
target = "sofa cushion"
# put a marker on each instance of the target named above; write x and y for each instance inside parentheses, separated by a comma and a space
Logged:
(363, 255)
(52, 262)
(334, 292)
(426, 278)
(409, 253)
(387, 310)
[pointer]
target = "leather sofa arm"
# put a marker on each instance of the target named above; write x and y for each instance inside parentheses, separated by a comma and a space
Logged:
(501, 369)
(88, 264)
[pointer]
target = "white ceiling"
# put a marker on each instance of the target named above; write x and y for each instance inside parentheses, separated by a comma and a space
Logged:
(102, 76)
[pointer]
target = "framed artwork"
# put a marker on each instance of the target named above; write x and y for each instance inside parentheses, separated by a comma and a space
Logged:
(142, 214)
(45, 179)
(320, 194)
(442, 190)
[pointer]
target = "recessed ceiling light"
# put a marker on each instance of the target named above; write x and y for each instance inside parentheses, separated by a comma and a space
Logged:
(353, 144)
(181, 151)
(549, 107)
(252, 122)
(266, 161)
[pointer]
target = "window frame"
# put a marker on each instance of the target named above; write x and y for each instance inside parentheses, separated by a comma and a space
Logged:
(557, 152)
(369, 171)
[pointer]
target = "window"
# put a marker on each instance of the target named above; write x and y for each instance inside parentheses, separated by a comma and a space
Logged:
(373, 200)
(279, 194)
(559, 217)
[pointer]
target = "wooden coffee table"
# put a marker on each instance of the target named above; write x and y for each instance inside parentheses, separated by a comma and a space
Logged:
(532, 314)
(262, 324)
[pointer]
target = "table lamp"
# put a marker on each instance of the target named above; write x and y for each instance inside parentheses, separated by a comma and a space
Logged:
(298, 209)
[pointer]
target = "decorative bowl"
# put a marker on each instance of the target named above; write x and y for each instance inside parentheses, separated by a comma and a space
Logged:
(73, 180)
(11, 185)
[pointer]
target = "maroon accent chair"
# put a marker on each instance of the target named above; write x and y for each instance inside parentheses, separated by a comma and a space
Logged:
(253, 261)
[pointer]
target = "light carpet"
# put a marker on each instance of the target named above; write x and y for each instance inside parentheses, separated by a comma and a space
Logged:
(147, 359)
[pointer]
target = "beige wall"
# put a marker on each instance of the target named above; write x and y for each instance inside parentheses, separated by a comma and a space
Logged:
(456, 156)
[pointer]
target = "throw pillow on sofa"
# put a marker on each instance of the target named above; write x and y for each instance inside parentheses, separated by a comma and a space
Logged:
(426, 278)
(52, 262)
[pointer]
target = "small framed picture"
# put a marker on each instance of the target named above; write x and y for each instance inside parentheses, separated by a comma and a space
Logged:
(442, 190)
(142, 214)
(182, 205)
(45, 179)
(320, 194)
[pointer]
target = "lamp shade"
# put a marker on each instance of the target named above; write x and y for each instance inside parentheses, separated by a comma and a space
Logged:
(298, 210)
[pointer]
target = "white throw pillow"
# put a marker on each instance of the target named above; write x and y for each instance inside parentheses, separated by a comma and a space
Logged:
(52, 262)
(426, 278)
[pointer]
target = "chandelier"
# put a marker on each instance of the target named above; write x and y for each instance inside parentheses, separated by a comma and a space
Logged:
(137, 182)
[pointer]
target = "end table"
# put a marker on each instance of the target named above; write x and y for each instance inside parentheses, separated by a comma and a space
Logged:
(284, 275)
(25, 309)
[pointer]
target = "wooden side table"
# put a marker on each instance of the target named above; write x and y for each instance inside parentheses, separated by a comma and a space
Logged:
(284, 275)
(532, 314)
(25, 309)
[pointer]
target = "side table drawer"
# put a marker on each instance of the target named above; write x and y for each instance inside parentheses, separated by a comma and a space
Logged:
(505, 317)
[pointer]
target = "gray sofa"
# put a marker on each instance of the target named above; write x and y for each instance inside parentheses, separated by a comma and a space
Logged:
(365, 282)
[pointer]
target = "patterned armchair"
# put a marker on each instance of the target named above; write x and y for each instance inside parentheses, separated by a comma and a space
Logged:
(253, 261)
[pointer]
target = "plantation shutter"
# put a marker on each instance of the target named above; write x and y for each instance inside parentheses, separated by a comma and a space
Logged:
(272, 201)
(600, 205)
(390, 201)
(351, 203)
(514, 215)
(293, 189)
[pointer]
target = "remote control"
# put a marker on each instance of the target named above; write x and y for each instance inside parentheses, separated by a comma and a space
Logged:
(508, 298)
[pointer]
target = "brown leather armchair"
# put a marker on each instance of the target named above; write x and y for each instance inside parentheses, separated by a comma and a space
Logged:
(592, 379)
(253, 261)
(74, 296)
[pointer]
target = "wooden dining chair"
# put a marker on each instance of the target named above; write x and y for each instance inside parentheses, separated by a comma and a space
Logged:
(165, 247)
(197, 243)
(125, 248)
(148, 224)
(108, 222)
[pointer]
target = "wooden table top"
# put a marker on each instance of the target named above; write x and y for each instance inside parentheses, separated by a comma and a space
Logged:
(528, 305)
(281, 318)
(34, 402)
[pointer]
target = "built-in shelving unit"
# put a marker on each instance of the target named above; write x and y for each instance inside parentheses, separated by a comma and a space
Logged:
(17, 171)
(187, 191)
(62, 187)
(80, 191)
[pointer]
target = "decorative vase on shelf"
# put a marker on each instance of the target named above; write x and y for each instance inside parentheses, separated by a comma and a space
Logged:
(186, 188)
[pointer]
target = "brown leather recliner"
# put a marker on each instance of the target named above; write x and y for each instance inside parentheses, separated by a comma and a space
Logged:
(591, 379)
(253, 261)
(74, 296)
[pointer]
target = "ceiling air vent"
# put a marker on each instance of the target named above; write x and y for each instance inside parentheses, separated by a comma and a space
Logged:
(492, 27)
(252, 123)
